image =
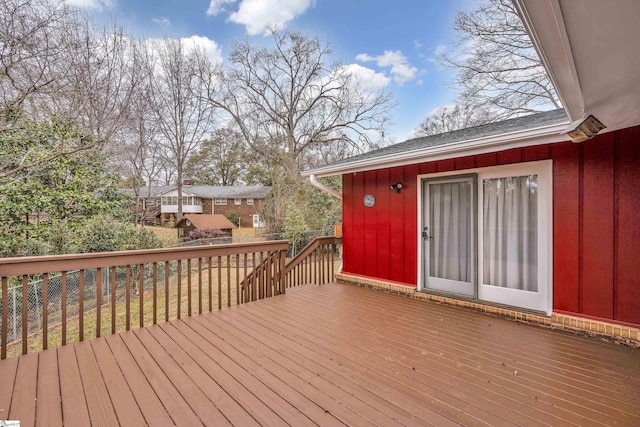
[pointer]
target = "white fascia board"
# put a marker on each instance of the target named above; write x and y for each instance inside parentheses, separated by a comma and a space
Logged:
(518, 139)
(544, 22)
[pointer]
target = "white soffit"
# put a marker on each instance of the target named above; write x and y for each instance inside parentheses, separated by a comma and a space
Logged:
(591, 50)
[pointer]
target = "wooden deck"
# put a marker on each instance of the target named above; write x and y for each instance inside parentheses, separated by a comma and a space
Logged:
(328, 355)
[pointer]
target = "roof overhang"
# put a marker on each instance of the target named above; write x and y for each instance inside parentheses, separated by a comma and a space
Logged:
(591, 53)
(505, 141)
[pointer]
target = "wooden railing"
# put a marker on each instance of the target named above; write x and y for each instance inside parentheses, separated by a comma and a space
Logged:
(66, 298)
(316, 263)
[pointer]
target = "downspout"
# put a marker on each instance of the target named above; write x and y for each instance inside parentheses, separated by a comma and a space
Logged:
(321, 186)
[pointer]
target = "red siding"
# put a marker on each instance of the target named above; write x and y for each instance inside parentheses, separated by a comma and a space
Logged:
(596, 227)
(596, 221)
(627, 227)
(566, 226)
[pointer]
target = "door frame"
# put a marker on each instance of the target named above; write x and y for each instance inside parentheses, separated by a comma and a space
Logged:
(545, 244)
(424, 183)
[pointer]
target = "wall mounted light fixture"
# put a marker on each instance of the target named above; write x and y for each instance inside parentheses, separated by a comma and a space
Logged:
(397, 186)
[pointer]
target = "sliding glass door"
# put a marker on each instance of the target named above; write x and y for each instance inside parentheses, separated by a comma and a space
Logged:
(449, 238)
(506, 257)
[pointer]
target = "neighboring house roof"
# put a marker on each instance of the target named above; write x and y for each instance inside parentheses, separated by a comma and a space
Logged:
(156, 190)
(201, 221)
(228, 192)
(207, 191)
(590, 51)
(533, 129)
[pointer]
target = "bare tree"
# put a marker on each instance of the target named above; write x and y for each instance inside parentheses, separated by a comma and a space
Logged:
(138, 153)
(182, 115)
(497, 65)
(104, 70)
(447, 119)
(30, 53)
(286, 100)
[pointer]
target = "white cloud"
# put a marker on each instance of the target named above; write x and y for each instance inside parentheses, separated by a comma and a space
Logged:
(440, 49)
(367, 78)
(217, 6)
(257, 15)
(401, 70)
(210, 47)
(162, 20)
(92, 4)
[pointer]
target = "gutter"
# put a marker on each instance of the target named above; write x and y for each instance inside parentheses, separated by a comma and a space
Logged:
(517, 139)
(321, 186)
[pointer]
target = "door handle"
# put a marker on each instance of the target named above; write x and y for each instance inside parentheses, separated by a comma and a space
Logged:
(425, 233)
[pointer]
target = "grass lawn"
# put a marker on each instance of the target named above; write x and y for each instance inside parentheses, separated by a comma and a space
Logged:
(169, 236)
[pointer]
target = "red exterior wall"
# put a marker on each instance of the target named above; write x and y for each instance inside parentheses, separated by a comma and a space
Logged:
(596, 221)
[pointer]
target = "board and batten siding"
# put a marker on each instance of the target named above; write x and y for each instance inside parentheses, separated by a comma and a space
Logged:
(596, 221)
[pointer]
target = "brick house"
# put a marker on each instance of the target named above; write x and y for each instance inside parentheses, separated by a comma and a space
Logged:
(245, 201)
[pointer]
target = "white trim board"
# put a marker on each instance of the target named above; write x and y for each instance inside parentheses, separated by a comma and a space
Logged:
(519, 139)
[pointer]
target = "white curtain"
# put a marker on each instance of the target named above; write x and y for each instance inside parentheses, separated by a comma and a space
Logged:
(510, 232)
(450, 228)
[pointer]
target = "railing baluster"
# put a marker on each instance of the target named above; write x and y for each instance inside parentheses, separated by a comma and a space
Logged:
(45, 311)
(189, 287)
(228, 280)
(155, 292)
(219, 283)
(333, 261)
(253, 276)
(113, 300)
(63, 280)
(141, 293)
(210, 285)
(98, 300)
(245, 290)
(81, 305)
(167, 267)
(283, 261)
(261, 279)
(25, 308)
(5, 318)
(237, 279)
(179, 303)
(127, 297)
(200, 285)
(322, 264)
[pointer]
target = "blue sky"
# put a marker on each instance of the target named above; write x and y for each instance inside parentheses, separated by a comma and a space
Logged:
(394, 42)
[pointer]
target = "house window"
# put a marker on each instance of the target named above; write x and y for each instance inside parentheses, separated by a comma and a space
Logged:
(249, 202)
(220, 202)
(237, 201)
(257, 221)
(170, 200)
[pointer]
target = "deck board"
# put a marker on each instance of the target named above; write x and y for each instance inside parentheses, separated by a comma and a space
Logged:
(23, 403)
(8, 369)
(123, 401)
(48, 408)
(328, 355)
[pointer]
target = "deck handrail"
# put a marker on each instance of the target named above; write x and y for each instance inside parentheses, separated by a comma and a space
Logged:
(124, 285)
